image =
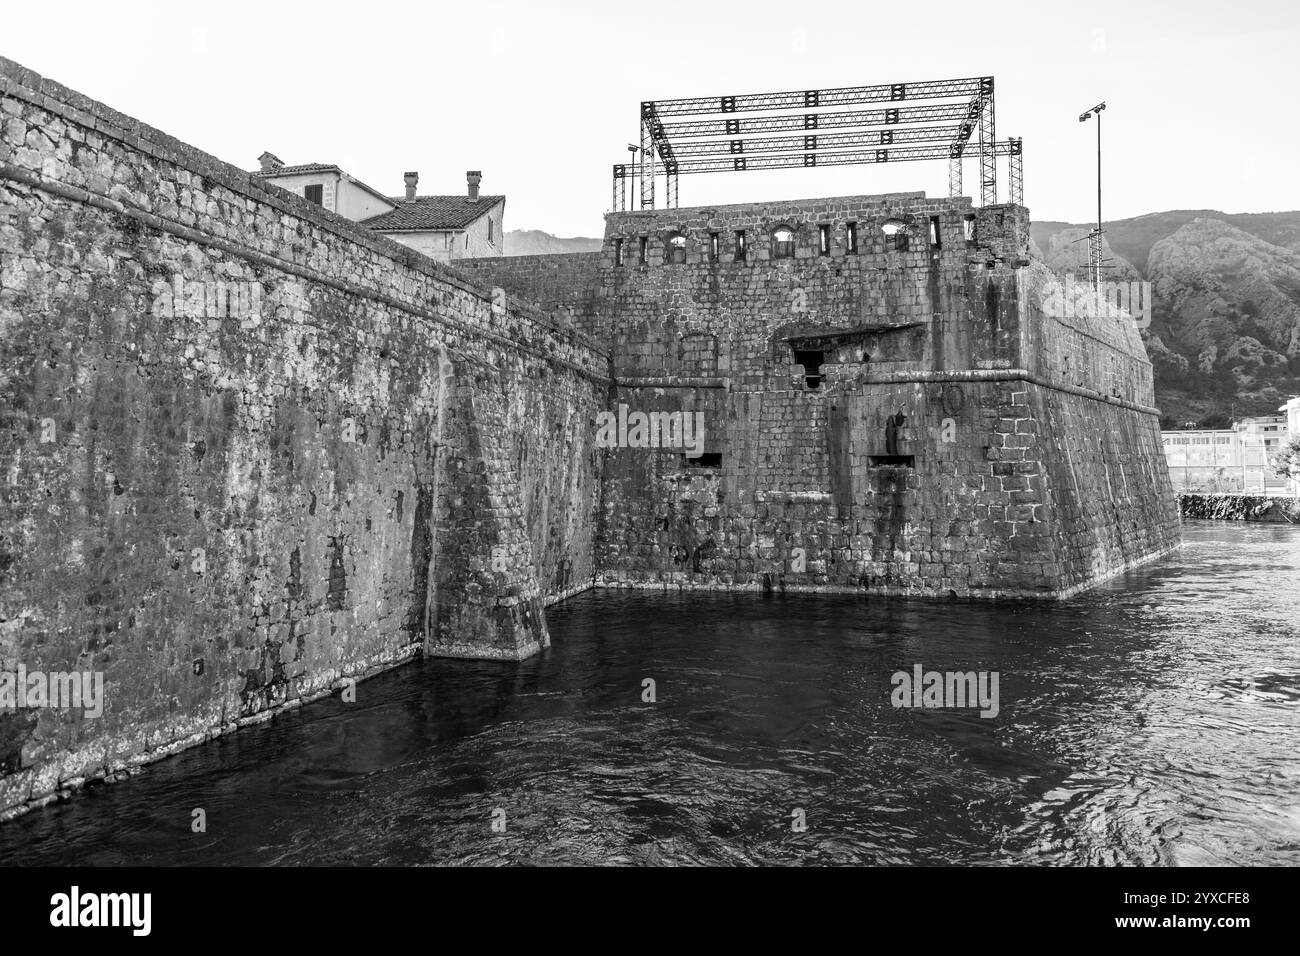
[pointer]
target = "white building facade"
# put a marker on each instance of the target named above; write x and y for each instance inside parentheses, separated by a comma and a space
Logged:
(442, 227)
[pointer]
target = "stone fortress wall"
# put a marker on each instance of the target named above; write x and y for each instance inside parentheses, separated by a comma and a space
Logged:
(250, 451)
(1027, 462)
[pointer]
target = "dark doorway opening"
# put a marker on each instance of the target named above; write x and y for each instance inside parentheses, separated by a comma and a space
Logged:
(812, 365)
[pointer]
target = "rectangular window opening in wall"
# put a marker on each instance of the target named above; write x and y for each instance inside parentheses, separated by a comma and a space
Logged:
(898, 461)
(618, 252)
(489, 228)
(713, 246)
(710, 459)
(934, 233)
(852, 237)
(968, 223)
(741, 249)
(824, 240)
(811, 360)
(677, 250)
(645, 247)
(314, 194)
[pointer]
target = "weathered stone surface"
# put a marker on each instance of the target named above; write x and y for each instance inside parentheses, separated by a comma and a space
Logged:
(1029, 458)
(249, 450)
(1280, 509)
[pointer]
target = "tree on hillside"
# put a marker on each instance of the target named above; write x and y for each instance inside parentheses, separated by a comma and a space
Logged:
(1287, 460)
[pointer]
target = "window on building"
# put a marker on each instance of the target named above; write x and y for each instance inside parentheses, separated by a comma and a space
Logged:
(812, 366)
(677, 249)
(618, 252)
(782, 243)
(645, 248)
(968, 224)
(852, 236)
(489, 228)
(893, 461)
(934, 233)
(314, 194)
(824, 240)
(895, 235)
(710, 459)
(741, 250)
(713, 246)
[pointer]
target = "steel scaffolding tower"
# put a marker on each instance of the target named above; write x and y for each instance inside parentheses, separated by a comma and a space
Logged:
(731, 134)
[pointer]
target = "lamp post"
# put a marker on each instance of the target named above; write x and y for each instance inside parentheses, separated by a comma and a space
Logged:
(1094, 250)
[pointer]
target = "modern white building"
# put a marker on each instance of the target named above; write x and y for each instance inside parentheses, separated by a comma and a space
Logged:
(443, 227)
(1229, 459)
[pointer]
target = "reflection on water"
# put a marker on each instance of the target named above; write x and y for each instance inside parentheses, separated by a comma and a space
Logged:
(1153, 720)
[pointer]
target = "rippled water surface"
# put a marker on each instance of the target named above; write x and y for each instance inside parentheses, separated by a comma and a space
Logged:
(1153, 720)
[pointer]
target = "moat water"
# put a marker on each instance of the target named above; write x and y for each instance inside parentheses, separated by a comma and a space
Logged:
(1153, 720)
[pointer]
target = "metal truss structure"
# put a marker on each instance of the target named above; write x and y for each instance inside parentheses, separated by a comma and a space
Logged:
(733, 133)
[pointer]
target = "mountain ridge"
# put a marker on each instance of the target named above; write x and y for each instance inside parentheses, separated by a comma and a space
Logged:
(537, 242)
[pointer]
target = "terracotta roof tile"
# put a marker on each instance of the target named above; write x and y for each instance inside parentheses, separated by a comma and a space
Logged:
(303, 168)
(431, 212)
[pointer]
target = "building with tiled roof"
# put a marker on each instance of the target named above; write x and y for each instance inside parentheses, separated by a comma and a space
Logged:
(445, 227)
(442, 227)
(327, 185)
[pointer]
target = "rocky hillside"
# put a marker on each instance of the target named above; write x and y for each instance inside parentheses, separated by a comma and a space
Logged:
(1225, 334)
(1066, 252)
(1132, 239)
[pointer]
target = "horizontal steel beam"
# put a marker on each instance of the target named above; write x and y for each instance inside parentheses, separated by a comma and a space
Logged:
(883, 154)
(817, 141)
(812, 99)
(747, 126)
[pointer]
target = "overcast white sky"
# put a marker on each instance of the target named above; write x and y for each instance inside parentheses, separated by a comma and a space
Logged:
(543, 97)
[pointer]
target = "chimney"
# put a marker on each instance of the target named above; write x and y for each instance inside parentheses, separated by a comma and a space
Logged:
(473, 177)
(270, 162)
(411, 179)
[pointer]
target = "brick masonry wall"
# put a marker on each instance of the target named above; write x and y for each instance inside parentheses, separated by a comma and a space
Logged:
(250, 451)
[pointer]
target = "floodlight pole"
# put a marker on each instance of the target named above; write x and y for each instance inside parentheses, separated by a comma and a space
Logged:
(1094, 250)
